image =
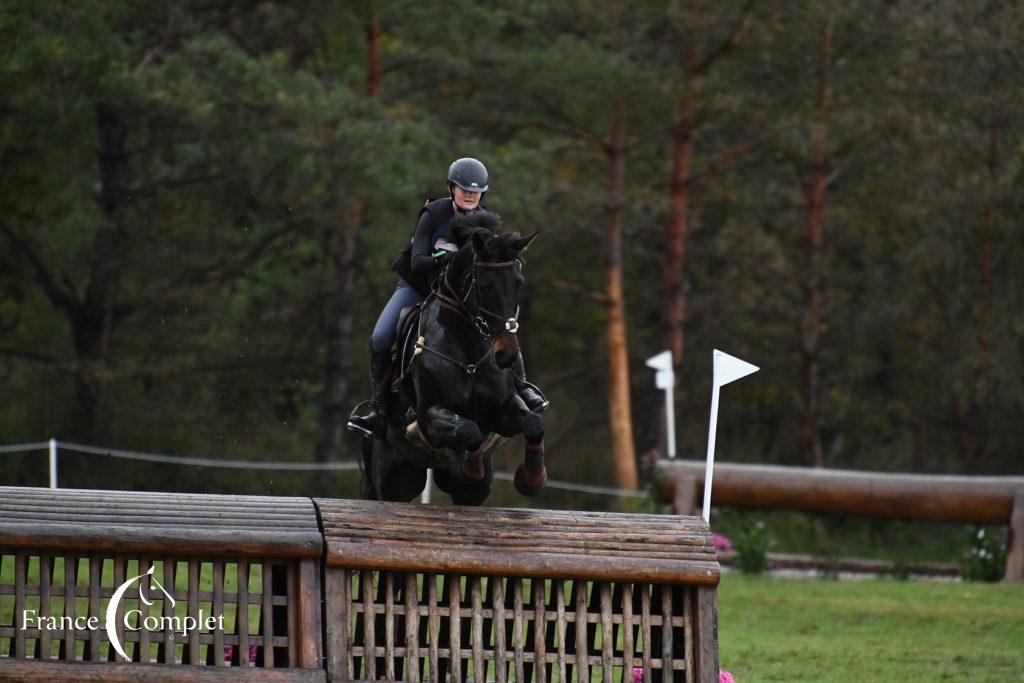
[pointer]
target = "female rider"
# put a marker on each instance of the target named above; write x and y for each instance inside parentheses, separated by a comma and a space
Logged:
(417, 266)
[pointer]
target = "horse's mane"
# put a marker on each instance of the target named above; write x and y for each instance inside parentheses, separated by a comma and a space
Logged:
(464, 225)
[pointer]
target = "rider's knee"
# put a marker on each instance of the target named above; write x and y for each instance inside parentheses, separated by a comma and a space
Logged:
(381, 340)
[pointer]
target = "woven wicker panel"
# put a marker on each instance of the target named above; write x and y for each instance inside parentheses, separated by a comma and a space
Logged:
(480, 628)
(81, 585)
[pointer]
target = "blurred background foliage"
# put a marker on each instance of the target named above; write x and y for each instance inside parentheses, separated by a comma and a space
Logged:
(199, 202)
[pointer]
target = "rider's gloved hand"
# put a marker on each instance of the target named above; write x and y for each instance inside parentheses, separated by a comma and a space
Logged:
(442, 257)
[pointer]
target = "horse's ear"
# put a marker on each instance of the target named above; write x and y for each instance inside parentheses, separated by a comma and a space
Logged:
(522, 244)
(479, 244)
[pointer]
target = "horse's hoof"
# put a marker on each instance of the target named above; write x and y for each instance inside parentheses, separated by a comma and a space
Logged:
(473, 466)
(469, 466)
(528, 483)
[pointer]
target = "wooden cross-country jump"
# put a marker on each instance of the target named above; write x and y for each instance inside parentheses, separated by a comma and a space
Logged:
(348, 590)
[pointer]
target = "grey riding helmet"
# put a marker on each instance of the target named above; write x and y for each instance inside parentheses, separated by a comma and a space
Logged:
(469, 174)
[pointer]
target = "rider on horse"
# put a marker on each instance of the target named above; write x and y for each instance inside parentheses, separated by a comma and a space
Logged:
(418, 266)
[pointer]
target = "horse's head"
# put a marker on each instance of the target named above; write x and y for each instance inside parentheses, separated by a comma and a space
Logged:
(488, 270)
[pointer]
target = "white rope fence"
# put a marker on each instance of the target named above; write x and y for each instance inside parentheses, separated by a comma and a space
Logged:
(54, 446)
(209, 462)
(24, 447)
(582, 488)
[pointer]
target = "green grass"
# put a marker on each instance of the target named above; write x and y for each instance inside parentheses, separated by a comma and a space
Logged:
(899, 541)
(793, 630)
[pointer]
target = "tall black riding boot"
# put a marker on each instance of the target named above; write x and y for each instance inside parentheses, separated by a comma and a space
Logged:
(530, 393)
(376, 421)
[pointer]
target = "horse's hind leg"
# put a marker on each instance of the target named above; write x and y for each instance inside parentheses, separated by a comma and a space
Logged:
(446, 429)
(466, 491)
(367, 484)
(395, 479)
(406, 483)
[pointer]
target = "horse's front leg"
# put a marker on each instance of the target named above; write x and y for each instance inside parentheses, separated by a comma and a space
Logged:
(518, 419)
(446, 429)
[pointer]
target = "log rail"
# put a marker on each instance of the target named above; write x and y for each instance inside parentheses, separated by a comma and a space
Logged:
(925, 497)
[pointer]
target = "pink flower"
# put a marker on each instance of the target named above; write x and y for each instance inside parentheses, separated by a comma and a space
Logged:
(722, 543)
(638, 674)
(725, 677)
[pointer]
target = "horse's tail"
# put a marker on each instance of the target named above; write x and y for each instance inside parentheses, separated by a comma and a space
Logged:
(367, 491)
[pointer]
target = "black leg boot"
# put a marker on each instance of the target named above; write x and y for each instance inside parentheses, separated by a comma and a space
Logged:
(530, 393)
(380, 370)
(375, 422)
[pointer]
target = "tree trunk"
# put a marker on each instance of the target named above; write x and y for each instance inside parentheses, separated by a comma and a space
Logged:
(982, 385)
(620, 412)
(92, 320)
(373, 71)
(810, 437)
(336, 397)
(334, 404)
(677, 223)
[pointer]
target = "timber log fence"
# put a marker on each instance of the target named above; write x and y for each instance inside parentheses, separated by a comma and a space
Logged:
(925, 497)
(302, 589)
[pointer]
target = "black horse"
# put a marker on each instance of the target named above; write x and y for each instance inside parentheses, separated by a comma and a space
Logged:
(456, 398)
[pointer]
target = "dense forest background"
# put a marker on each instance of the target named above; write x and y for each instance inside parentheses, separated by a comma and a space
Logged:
(199, 201)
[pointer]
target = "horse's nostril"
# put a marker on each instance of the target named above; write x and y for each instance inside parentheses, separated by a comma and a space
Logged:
(504, 358)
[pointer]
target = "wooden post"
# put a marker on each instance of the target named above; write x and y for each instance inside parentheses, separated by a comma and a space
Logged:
(310, 638)
(1015, 549)
(685, 500)
(705, 628)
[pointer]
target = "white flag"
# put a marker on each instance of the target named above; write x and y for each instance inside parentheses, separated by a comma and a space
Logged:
(725, 369)
(730, 368)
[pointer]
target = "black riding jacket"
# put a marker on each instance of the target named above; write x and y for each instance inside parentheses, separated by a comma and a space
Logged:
(416, 264)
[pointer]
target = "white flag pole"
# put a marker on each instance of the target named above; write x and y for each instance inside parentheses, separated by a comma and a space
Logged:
(708, 470)
(425, 494)
(670, 425)
(53, 463)
(725, 369)
(665, 378)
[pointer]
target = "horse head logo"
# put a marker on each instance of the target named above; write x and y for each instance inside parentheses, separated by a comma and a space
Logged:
(115, 600)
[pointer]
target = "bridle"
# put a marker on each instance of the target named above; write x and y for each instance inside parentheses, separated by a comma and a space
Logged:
(469, 287)
(459, 302)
